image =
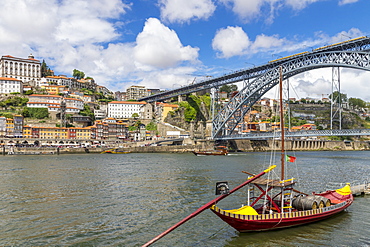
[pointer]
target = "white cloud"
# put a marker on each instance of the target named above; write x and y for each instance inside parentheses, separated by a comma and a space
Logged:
(266, 43)
(300, 4)
(250, 10)
(247, 10)
(82, 34)
(186, 10)
(159, 46)
(231, 41)
(343, 2)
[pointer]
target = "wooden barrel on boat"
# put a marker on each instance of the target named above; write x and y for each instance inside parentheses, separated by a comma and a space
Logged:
(323, 201)
(305, 202)
(310, 202)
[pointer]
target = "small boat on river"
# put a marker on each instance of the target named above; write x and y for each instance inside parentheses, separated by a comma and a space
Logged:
(115, 151)
(219, 150)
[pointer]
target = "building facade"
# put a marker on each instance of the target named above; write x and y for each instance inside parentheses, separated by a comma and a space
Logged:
(136, 92)
(52, 103)
(28, 70)
(125, 109)
(10, 85)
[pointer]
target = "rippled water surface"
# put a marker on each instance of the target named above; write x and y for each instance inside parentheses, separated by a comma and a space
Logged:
(126, 200)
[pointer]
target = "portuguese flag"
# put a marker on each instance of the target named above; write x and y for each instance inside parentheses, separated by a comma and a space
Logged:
(290, 158)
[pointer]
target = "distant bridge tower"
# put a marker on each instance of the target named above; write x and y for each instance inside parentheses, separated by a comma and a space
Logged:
(336, 100)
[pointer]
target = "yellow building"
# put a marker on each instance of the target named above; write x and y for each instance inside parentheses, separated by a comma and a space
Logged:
(9, 127)
(83, 133)
(53, 89)
(164, 108)
(27, 131)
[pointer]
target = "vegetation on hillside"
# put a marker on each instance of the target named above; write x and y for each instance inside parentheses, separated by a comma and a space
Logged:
(87, 112)
(39, 113)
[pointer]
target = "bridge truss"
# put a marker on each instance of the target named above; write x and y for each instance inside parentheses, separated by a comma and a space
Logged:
(233, 113)
(358, 44)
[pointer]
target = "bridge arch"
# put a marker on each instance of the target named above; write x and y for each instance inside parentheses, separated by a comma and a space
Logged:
(233, 113)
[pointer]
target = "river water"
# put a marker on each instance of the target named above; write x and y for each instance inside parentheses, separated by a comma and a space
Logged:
(127, 199)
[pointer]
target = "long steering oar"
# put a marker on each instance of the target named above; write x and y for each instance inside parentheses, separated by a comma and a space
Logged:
(206, 206)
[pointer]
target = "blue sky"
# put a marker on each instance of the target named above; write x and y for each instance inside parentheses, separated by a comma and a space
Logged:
(168, 43)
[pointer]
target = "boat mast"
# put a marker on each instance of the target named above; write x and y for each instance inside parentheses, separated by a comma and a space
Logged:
(282, 123)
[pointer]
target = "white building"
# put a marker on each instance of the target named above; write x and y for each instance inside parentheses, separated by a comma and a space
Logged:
(125, 109)
(52, 102)
(24, 69)
(10, 85)
(59, 80)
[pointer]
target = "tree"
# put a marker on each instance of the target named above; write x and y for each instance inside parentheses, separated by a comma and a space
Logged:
(151, 126)
(28, 92)
(356, 103)
(189, 112)
(45, 70)
(338, 97)
(78, 74)
(39, 113)
(135, 115)
(229, 88)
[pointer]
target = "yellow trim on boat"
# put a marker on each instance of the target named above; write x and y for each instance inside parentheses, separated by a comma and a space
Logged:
(346, 190)
(246, 210)
(287, 180)
(270, 168)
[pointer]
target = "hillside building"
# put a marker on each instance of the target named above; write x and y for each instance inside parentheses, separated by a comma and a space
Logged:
(125, 109)
(28, 70)
(10, 85)
(136, 92)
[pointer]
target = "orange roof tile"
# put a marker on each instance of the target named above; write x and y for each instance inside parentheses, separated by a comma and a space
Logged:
(8, 79)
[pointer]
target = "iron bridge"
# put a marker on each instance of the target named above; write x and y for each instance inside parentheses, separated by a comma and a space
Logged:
(297, 134)
(259, 80)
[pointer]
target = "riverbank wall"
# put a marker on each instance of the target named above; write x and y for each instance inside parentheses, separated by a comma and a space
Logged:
(233, 146)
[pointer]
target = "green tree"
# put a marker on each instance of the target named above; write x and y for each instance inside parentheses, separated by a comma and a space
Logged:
(189, 112)
(229, 88)
(28, 92)
(151, 126)
(78, 74)
(45, 70)
(39, 113)
(356, 103)
(338, 97)
(135, 115)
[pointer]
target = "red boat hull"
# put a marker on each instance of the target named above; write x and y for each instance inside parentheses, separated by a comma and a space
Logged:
(264, 222)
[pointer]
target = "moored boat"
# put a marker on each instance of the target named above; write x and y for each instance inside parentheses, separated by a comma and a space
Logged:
(219, 150)
(115, 151)
(274, 214)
